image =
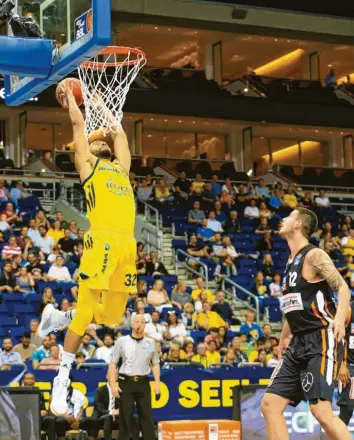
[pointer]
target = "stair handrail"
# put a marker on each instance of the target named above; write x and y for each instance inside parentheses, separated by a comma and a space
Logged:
(179, 263)
(247, 292)
(151, 213)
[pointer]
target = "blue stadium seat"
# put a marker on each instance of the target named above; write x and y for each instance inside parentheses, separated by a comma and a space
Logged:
(19, 309)
(3, 332)
(170, 279)
(41, 285)
(4, 308)
(17, 332)
(14, 298)
(6, 321)
(146, 278)
(34, 298)
(67, 286)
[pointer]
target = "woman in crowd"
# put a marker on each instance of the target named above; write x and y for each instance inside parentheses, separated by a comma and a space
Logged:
(188, 317)
(140, 310)
(180, 297)
(188, 351)
(267, 267)
(235, 345)
(141, 257)
(41, 220)
(222, 339)
(64, 305)
(275, 288)
(158, 297)
(231, 251)
(10, 212)
(230, 358)
(160, 352)
(142, 289)
(202, 297)
(251, 190)
(47, 298)
(264, 212)
(153, 267)
(262, 357)
(56, 231)
(24, 282)
(176, 331)
(258, 285)
(225, 269)
(174, 354)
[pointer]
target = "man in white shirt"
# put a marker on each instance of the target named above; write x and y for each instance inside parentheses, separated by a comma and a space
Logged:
(322, 201)
(104, 353)
(58, 272)
(214, 224)
(33, 232)
(153, 329)
(252, 211)
(45, 243)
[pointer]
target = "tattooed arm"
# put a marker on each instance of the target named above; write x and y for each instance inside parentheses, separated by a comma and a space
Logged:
(323, 266)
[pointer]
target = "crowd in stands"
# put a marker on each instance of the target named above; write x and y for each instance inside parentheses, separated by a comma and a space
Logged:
(233, 228)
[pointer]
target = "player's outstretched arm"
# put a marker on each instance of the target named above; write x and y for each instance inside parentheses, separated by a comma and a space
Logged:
(320, 261)
(83, 156)
(122, 150)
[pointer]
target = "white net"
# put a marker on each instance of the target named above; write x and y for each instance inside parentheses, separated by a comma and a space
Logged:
(105, 85)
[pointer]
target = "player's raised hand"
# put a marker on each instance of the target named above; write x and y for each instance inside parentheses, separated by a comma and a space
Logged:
(338, 326)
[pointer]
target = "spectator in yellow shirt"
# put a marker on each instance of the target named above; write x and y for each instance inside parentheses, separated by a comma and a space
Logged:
(202, 355)
(198, 185)
(162, 193)
(201, 287)
(206, 319)
(290, 199)
(212, 354)
(56, 232)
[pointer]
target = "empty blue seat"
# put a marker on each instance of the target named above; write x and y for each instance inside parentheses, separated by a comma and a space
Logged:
(6, 321)
(23, 308)
(4, 309)
(170, 279)
(13, 298)
(18, 331)
(41, 285)
(34, 298)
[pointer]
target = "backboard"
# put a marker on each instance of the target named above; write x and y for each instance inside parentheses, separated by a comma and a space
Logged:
(79, 29)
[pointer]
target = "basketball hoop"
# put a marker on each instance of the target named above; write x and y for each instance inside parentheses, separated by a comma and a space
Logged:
(105, 82)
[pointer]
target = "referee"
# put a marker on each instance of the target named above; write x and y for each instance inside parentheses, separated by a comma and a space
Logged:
(137, 353)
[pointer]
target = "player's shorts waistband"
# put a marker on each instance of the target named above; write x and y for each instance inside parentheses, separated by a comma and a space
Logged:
(309, 332)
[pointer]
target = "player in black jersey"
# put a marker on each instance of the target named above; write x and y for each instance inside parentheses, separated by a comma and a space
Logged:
(346, 373)
(310, 358)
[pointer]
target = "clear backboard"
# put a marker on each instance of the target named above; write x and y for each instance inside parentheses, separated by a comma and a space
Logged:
(79, 29)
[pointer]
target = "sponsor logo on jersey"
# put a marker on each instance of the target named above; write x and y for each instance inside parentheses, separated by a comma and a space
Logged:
(292, 302)
(352, 327)
(117, 189)
(114, 170)
(351, 342)
(297, 260)
(284, 285)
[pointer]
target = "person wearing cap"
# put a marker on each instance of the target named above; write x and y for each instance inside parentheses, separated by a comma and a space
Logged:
(139, 356)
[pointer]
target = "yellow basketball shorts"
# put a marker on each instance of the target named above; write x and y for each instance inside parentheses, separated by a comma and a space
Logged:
(108, 261)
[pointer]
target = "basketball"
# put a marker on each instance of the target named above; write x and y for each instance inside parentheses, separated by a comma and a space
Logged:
(75, 86)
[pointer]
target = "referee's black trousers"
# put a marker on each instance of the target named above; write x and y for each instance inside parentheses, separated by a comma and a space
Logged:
(140, 394)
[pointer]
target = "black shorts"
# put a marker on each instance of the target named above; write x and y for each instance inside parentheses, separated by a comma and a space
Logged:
(308, 368)
(346, 395)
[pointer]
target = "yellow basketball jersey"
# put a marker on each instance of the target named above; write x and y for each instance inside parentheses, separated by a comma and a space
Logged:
(110, 198)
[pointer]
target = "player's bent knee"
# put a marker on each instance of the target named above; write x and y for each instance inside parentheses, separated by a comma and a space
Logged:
(272, 404)
(322, 411)
(80, 322)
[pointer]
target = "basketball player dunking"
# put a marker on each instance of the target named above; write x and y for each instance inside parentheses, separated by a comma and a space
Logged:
(310, 359)
(107, 269)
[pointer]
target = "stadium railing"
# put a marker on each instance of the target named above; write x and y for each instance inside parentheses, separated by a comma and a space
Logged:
(250, 296)
(186, 266)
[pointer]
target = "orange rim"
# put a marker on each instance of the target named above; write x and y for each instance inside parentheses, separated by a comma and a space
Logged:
(117, 50)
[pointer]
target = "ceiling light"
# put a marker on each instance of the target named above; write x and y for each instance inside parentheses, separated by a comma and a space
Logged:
(330, 132)
(155, 28)
(165, 120)
(196, 32)
(250, 172)
(193, 122)
(289, 41)
(316, 131)
(275, 39)
(179, 121)
(245, 90)
(262, 137)
(151, 119)
(329, 65)
(43, 170)
(149, 135)
(169, 30)
(341, 132)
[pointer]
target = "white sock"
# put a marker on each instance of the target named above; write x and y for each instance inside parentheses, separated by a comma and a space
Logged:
(67, 360)
(65, 318)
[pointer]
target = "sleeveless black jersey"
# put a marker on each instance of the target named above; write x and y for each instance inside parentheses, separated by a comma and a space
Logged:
(349, 338)
(308, 306)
